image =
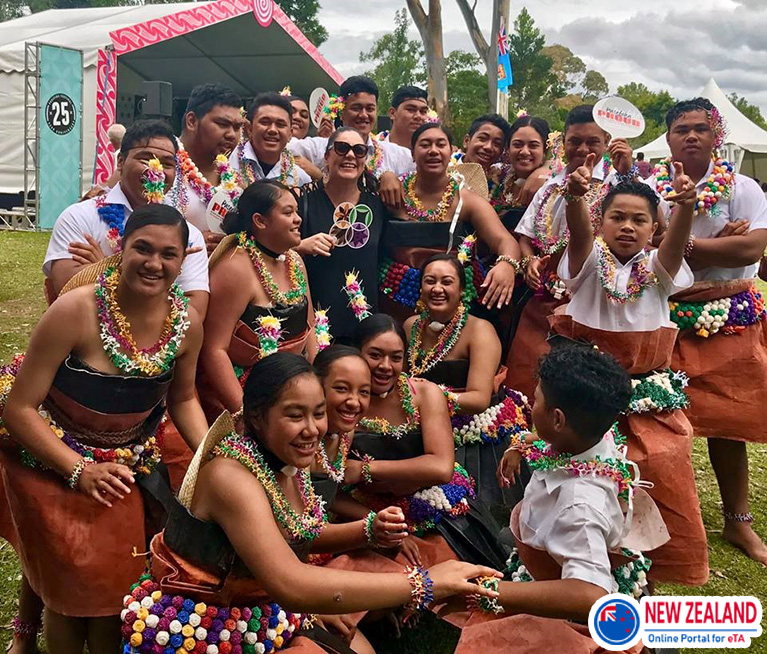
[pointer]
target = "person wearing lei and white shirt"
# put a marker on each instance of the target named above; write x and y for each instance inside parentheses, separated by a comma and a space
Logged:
(408, 112)
(389, 160)
(211, 127)
(81, 236)
(726, 245)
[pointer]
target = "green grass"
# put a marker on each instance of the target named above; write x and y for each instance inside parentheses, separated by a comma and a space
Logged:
(22, 303)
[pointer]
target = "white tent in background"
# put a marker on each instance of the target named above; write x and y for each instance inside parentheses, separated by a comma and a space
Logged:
(745, 145)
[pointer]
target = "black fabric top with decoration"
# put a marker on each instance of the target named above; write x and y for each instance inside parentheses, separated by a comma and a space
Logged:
(293, 318)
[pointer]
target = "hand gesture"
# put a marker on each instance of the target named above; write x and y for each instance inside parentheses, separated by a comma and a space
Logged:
(578, 181)
(684, 190)
(508, 468)
(105, 481)
(212, 239)
(499, 285)
(410, 550)
(308, 167)
(622, 155)
(390, 190)
(735, 228)
(86, 253)
(343, 625)
(326, 128)
(454, 578)
(389, 527)
(531, 186)
(535, 270)
(318, 245)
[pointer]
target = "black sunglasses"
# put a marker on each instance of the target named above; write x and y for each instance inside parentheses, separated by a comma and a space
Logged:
(341, 148)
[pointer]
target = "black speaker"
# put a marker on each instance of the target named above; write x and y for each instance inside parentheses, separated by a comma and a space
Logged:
(158, 99)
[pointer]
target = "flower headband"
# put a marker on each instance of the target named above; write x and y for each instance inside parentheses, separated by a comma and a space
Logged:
(718, 125)
(432, 116)
(522, 113)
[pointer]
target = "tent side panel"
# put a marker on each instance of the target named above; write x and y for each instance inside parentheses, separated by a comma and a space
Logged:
(104, 110)
(12, 132)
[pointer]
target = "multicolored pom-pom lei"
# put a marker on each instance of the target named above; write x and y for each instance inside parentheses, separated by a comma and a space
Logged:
(659, 391)
(496, 423)
(153, 621)
(718, 186)
(113, 215)
(730, 315)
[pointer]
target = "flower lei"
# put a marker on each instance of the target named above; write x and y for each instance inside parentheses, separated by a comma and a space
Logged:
(356, 293)
(288, 168)
(116, 336)
(337, 469)
(202, 187)
(304, 527)
(156, 622)
(544, 239)
(730, 315)
(659, 391)
(321, 329)
(465, 248)
(501, 183)
(114, 216)
(374, 164)
(384, 427)
(718, 126)
(640, 277)
(718, 186)
(269, 335)
(153, 181)
(496, 423)
(416, 210)
(296, 275)
(421, 361)
(334, 106)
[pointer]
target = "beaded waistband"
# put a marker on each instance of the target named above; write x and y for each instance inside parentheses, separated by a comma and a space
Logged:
(729, 315)
(554, 286)
(495, 424)
(658, 391)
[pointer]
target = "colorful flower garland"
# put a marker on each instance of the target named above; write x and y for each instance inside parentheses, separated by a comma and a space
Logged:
(337, 469)
(374, 164)
(116, 336)
(500, 184)
(465, 249)
(269, 335)
(296, 275)
(659, 391)
(288, 168)
(384, 427)
(114, 216)
(495, 424)
(718, 126)
(153, 181)
(202, 187)
(730, 315)
(334, 107)
(421, 361)
(553, 285)
(153, 621)
(415, 208)
(719, 185)
(640, 278)
(322, 329)
(304, 527)
(356, 293)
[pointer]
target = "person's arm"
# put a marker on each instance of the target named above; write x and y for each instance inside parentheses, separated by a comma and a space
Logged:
(230, 496)
(484, 357)
(71, 246)
(729, 251)
(311, 342)
(183, 406)
(391, 192)
(577, 213)
(568, 599)
(671, 249)
(347, 508)
(228, 299)
(389, 530)
(198, 300)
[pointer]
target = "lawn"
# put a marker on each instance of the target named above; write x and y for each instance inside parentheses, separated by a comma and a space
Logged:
(22, 303)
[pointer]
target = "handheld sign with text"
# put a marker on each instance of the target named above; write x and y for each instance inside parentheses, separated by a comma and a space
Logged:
(619, 117)
(220, 204)
(317, 102)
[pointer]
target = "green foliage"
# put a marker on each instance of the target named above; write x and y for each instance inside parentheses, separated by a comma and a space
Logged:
(568, 68)
(652, 104)
(304, 14)
(750, 111)
(467, 91)
(398, 59)
(594, 86)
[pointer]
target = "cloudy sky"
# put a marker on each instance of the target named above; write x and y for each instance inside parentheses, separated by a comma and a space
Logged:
(674, 49)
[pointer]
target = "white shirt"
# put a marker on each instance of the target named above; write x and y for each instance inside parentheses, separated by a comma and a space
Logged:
(591, 306)
(577, 520)
(558, 217)
(747, 202)
(395, 158)
(296, 176)
(82, 218)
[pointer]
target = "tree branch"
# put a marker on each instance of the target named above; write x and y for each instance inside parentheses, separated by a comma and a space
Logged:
(477, 38)
(420, 18)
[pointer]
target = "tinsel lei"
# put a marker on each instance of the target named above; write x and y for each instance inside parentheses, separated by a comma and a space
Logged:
(465, 249)
(426, 508)
(227, 177)
(336, 469)
(501, 185)
(296, 275)
(728, 315)
(116, 336)
(420, 360)
(356, 293)
(628, 578)
(140, 457)
(304, 527)
(288, 168)
(322, 329)
(662, 390)
(269, 332)
(153, 621)
(718, 185)
(113, 215)
(496, 424)
(334, 107)
(415, 208)
(640, 277)
(384, 427)
(153, 181)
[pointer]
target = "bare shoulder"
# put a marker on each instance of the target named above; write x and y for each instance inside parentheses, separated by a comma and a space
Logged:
(479, 328)
(408, 325)
(224, 485)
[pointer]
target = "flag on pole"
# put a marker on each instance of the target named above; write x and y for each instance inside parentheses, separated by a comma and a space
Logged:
(505, 78)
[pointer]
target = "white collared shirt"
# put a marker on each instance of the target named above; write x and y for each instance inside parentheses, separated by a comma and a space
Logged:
(296, 176)
(747, 202)
(558, 217)
(591, 306)
(395, 158)
(83, 218)
(577, 520)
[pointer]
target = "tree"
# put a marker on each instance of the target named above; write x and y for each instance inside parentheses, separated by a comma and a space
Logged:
(398, 59)
(430, 28)
(750, 111)
(594, 86)
(304, 14)
(488, 52)
(652, 104)
(568, 68)
(468, 90)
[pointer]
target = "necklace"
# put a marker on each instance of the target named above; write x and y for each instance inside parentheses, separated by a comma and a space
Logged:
(288, 173)
(114, 217)
(374, 164)
(421, 361)
(718, 186)
(202, 187)
(415, 208)
(544, 238)
(384, 427)
(304, 527)
(297, 291)
(640, 277)
(116, 336)
(336, 470)
(501, 183)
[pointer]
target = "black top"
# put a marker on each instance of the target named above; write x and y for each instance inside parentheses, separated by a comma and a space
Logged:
(451, 372)
(294, 317)
(412, 233)
(326, 274)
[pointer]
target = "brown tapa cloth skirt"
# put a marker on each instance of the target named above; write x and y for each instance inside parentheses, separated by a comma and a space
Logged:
(661, 445)
(76, 553)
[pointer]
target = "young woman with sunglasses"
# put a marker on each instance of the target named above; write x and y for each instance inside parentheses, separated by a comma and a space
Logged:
(343, 219)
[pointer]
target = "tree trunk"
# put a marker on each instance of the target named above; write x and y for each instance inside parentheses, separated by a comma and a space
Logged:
(430, 28)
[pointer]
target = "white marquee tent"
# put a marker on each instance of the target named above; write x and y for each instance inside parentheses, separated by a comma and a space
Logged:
(745, 145)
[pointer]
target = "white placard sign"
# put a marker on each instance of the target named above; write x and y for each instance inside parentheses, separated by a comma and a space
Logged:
(619, 117)
(318, 100)
(220, 204)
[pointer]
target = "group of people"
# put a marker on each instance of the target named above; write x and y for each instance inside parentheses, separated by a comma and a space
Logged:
(225, 434)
